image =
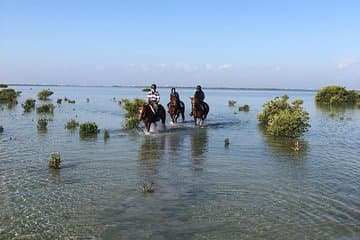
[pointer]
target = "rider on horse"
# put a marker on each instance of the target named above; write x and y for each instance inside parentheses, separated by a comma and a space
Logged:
(174, 94)
(200, 96)
(154, 99)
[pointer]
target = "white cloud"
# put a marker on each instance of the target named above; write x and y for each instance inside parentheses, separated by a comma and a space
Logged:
(346, 64)
(226, 66)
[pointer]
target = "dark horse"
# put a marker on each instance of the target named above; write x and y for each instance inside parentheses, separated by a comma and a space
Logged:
(176, 109)
(148, 116)
(199, 110)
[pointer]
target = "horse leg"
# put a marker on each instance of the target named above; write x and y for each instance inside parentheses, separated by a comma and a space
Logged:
(195, 120)
(147, 125)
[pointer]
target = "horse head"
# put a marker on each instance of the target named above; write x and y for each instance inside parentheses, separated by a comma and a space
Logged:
(173, 101)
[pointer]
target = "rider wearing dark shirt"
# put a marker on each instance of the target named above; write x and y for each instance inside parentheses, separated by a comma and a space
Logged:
(199, 95)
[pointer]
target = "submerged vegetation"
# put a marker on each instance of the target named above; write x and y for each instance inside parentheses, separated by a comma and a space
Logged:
(336, 95)
(55, 160)
(88, 129)
(132, 108)
(231, 103)
(8, 95)
(44, 95)
(244, 108)
(72, 124)
(42, 124)
(279, 118)
(29, 104)
(46, 108)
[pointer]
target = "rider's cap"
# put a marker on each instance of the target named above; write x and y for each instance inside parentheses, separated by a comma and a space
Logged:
(153, 86)
(198, 87)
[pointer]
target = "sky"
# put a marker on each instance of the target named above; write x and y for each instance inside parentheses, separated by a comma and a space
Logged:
(245, 44)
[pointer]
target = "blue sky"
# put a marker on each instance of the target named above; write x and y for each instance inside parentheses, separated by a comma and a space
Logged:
(285, 44)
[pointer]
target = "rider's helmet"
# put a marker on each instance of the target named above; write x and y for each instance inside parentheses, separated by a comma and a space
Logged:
(198, 87)
(153, 86)
(173, 90)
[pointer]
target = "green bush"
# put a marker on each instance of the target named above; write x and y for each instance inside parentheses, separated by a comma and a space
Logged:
(44, 94)
(55, 160)
(29, 104)
(1, 129)
(146, 89)
(8, 95)
(279, 118)
(71, 125)
(244, 108)
(132, 108)
(42, 124)
(88, 129)
(3, 85)
(46, 108)
(336, 95)
(231, 103)
(59, 101)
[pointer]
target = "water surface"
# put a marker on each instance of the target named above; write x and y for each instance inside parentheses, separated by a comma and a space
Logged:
(256, 188)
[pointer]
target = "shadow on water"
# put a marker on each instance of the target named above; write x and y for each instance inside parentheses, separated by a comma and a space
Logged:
(199, 146)
(294, 148)
(150, 154)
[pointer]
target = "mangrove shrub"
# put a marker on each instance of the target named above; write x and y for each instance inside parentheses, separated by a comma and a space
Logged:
(336, 95)
(71, 125)
(280, 118)
(55, 160)
(46, 108)
(42, 124)
(132, 108)
(231, 103)
(88, 129)
(244, 108)
(44, 94)
(29, 104)
(8, 95)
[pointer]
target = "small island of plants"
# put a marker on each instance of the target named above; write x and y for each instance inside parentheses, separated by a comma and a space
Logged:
(88, 129)
(8, 95)
(29, 104)
(280, 118)
(337, 95)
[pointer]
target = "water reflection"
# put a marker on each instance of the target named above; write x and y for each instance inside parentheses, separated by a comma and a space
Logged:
(288, 147)
(150, 154)
(175, 141)
(199, 145)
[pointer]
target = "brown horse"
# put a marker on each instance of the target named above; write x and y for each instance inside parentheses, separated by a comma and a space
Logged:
(147, 115)
(176, 109)
(199, 110)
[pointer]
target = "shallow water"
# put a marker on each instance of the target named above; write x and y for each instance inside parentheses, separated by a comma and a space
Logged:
(256, 188)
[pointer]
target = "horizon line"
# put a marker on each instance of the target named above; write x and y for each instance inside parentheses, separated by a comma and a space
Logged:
(164, 86)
